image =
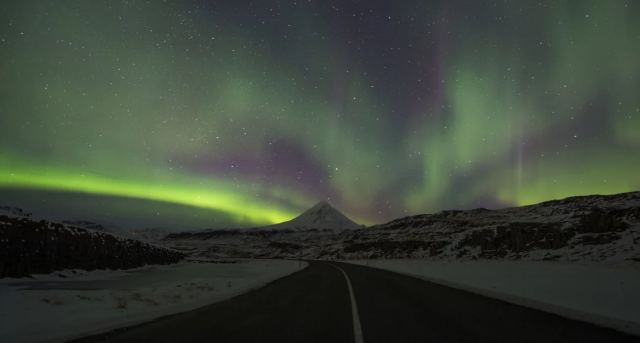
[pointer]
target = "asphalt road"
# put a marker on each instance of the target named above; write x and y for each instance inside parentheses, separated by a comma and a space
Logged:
(314, 305)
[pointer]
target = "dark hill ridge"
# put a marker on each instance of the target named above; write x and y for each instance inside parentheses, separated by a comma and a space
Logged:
(29, 246)
(595, 228)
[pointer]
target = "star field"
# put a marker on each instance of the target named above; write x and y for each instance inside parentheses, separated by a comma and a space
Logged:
(258, 109)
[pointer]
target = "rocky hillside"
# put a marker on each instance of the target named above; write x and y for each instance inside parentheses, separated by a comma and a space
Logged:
(594, 228)
(29, 246)
(577, 228)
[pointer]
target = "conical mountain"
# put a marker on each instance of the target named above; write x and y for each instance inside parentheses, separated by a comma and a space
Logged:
(322, 216)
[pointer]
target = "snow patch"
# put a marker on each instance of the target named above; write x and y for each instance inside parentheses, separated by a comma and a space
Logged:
(70, 304)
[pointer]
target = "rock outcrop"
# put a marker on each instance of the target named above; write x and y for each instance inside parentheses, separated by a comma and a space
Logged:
(29, 246)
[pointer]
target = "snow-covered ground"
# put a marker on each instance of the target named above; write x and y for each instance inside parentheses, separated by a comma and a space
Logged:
(65, 305)
(603, 294)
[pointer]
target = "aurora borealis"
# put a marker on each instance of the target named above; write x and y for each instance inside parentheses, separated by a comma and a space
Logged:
(255, 110)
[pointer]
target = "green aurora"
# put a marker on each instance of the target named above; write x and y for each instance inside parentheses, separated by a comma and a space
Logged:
(258, 110)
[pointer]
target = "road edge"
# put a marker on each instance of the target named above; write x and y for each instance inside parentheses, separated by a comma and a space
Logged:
(621, 325)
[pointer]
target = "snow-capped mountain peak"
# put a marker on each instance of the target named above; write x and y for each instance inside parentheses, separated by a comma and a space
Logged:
(323, 216)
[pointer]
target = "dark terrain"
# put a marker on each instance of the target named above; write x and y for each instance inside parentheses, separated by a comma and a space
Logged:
(586, 228)
(29, 246)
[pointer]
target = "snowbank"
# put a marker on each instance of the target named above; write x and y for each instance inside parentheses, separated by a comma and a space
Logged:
(606, 295)
(62, 306)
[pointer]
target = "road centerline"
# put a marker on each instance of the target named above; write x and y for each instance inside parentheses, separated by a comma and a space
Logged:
(357, 328)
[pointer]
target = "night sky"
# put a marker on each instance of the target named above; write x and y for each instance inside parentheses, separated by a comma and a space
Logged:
(215, 113)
